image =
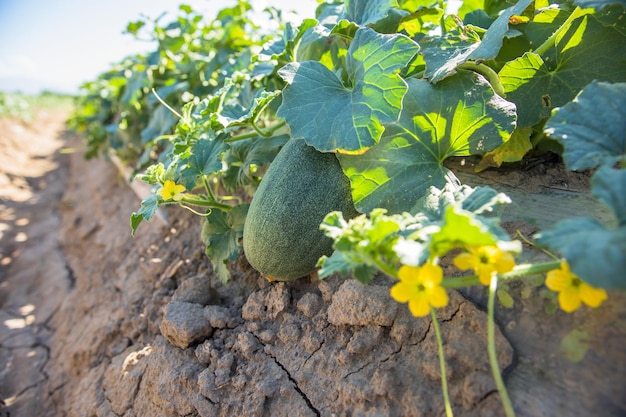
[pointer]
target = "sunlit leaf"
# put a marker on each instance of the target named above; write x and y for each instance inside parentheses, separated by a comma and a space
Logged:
(511, 151)
(331, 116)
(587, 51)
(459, 116)
(443, 57)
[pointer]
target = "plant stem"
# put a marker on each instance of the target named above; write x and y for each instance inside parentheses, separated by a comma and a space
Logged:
(551, 41)
(205, 203)
(491, 349)
(442, 364)
(488, 73)
(167, 106)
(253, 134)
(208, 189)
(518, 272)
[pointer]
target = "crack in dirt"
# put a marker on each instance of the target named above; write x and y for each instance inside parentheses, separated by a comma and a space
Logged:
(297, 388)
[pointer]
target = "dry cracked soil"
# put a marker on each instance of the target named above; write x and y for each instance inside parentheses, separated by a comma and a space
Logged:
(94, 322)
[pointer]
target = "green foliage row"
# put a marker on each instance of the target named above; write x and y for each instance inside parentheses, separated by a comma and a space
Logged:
(394, 88)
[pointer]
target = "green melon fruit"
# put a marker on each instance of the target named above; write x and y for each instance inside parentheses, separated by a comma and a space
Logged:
(282, 237)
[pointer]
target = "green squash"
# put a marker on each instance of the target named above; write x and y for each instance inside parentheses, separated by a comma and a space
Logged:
(282, 237)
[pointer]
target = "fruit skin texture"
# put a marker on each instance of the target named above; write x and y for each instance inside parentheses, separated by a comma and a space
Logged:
(282, 237)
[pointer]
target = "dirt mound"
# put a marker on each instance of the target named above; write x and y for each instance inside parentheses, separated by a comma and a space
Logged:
(97, 323)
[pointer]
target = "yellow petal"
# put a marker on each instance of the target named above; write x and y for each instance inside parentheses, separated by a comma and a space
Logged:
(558, 280)
(403, 292)
(505, 263)
(419, 306)
(465, 261)
(438, 297)
(591, 295)
(431, 275)
(569, 300)
(409, 274)
(485, 273)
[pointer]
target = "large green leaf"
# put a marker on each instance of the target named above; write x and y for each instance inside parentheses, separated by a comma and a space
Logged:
(447, 53)
(221, 233)
(592, 128)
(332, 116)
(587, 51)
(459, 116)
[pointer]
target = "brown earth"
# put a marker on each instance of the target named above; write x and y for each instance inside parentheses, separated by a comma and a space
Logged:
(94, 322)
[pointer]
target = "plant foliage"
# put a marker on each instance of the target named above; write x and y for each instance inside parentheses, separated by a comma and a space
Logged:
(394, 87)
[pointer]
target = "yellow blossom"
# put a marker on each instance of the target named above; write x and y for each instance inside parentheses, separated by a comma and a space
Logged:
(172, 191)
(572, 290)
(485, 261)
(421, 287)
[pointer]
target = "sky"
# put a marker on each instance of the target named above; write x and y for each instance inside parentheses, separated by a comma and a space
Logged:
(57, 45)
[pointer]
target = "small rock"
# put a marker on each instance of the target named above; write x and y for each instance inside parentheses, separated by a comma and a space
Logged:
(196, 290)
(356, 304)
(184, 324)
(309, 304)
(364, 340)
(247, 344)
(254, 308)
(289, 333)
(203, 352)
(267, 336)
(219, 317)
(277, 300)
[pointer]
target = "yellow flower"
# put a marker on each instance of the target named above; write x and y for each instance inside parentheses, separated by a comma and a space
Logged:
(420, 286)
(172, 191)
(572, 290)
(485, 261)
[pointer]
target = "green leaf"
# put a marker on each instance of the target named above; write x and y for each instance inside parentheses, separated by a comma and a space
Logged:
(148, 207)
(285, 48)
(206, 158)
(363, 244)
(459, 116)
(592, 128)
(461, 228)
(505, 298)
(332, 264)
(245, 158)
(221, 233)
(511, 151)
(445, 56)
(608, 185)
(331, 116)
(587, 51)
(367, 12)
(575, 345)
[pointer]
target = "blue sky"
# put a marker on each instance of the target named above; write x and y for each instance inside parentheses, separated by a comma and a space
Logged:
(59, 44)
